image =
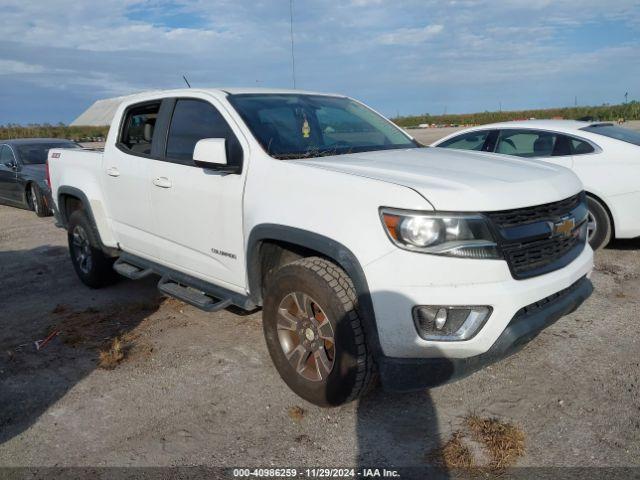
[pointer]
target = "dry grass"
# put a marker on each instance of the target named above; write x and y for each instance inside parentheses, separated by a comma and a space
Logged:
(453, 455)
(296, 413)
(112, 356)
(503, 442)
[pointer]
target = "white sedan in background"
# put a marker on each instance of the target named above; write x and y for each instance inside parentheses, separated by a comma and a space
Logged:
(605, 156)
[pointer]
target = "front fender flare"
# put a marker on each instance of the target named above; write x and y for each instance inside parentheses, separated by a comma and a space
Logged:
(329, 248)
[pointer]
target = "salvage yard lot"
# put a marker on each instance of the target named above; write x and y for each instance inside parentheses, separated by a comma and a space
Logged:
(197, 388)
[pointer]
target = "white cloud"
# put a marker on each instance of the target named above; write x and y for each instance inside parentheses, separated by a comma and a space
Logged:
(15, 67)
(410, 36)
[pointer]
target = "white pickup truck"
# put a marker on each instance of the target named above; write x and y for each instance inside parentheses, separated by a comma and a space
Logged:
(370, 255)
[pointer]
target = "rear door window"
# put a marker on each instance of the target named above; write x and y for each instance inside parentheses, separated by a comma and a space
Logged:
(563, 146)
(526, 143)
(139, 127)
(467, 141)
(194, 120)
(580, 147)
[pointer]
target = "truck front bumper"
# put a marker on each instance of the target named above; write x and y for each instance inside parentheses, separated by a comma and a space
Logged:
(406, 374)
(400, 281)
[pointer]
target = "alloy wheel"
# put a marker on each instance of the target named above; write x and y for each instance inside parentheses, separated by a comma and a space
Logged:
(306, 336)
(82, 249)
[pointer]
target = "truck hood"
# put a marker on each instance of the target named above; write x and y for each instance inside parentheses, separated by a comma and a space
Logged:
(457, 180)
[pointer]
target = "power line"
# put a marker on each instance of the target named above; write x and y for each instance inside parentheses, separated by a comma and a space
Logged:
(293, 58)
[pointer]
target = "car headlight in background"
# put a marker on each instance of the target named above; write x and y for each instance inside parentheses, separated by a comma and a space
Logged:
(456, 235)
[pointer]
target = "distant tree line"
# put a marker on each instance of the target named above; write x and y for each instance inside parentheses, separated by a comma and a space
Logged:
(627, 111)
(45, 130)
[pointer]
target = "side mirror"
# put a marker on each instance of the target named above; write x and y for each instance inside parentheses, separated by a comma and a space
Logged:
(211, 153)
(13, 165)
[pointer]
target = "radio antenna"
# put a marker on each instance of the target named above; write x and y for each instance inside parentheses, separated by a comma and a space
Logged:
(186, 81)
(293, 58)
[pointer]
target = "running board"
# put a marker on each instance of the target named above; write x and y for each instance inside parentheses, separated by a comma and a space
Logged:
(192, 296)
(129, 270)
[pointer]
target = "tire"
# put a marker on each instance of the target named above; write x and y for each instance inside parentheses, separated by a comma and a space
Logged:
(93, 267)
(37, 201)
(337, 371)
(599, 224)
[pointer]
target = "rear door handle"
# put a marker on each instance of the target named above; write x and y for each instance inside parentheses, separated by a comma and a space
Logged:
(162, 182)
(113, 172)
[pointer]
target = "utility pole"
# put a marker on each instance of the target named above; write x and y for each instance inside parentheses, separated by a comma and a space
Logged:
(293, 58)
(626, 97)
(575, 101)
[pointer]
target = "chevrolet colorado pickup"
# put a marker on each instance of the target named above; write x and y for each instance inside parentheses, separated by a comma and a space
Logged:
(371, 256)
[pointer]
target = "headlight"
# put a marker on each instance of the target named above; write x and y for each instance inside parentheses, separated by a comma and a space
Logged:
(457, 235)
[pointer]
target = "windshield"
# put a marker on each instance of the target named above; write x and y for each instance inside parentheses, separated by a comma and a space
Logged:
(305, 126)
(36, 153)
(612, 131)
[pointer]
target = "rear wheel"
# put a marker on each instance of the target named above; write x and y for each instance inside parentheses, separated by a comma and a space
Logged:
(314, 333)
(93, 267)
(598, 224)
(37, 201)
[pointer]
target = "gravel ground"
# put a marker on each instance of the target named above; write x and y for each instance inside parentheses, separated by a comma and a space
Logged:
(200, 389)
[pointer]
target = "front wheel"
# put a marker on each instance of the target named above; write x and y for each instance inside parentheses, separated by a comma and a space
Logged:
(93, 267)
(598, 224)
(314, 332)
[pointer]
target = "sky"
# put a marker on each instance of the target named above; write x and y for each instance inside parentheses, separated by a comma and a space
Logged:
(399, 56)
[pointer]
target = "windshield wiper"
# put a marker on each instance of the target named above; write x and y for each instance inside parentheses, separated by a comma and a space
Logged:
(312, 153)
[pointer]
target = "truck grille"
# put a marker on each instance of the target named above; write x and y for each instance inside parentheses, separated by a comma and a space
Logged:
(519, 216)
(528, 239)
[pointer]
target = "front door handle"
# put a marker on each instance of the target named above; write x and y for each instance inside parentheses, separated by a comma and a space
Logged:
(162, 182)
(113, 172)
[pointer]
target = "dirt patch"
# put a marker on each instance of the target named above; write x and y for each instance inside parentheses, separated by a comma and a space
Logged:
(173, 304)
(93, 328)
(113, 331)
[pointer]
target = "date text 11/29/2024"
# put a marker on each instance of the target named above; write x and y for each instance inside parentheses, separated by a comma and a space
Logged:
(315, 473)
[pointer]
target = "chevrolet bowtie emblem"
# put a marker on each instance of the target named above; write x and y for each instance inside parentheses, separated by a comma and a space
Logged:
(564, 227)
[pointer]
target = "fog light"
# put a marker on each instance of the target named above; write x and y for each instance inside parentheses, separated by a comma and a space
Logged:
(449, 323)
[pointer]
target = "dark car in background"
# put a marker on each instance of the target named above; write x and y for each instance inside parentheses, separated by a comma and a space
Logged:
(23, 172)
